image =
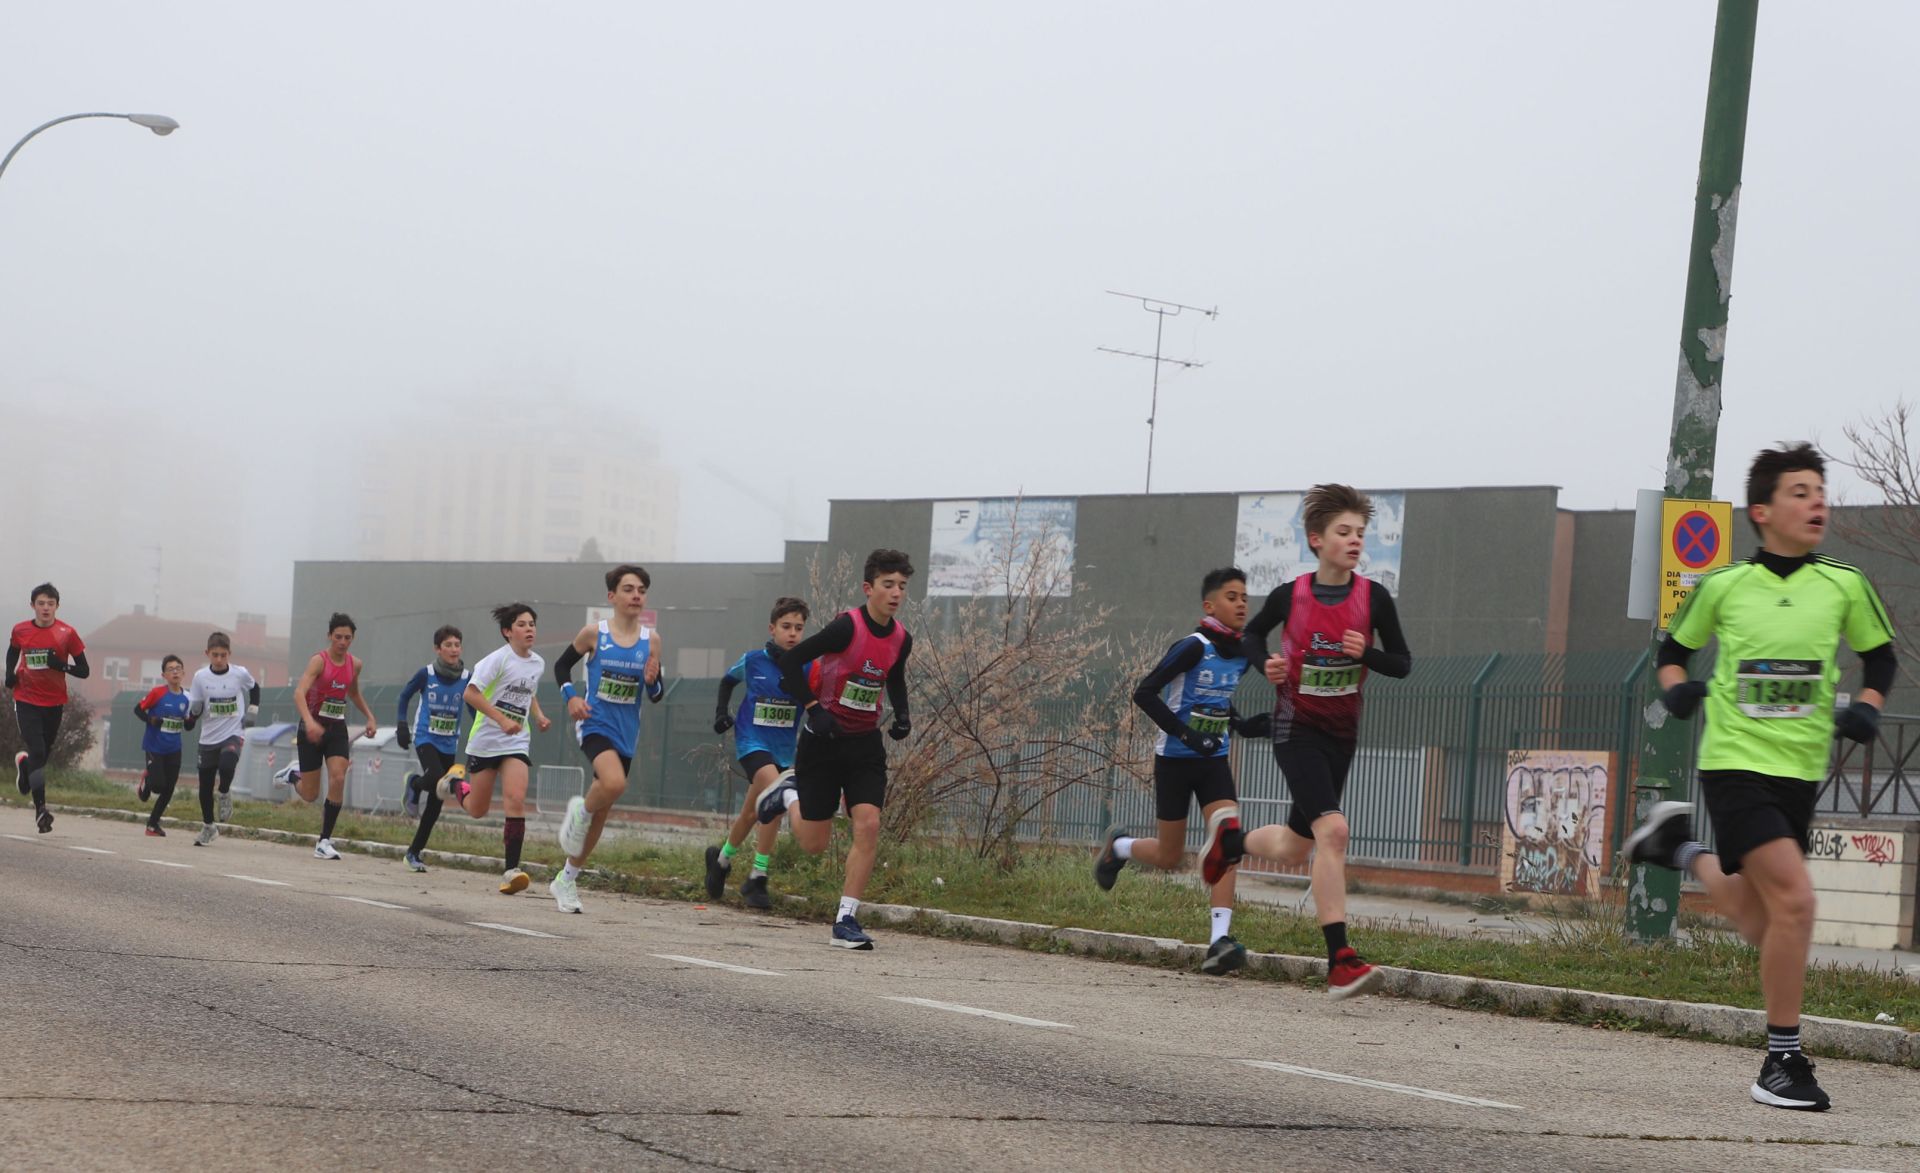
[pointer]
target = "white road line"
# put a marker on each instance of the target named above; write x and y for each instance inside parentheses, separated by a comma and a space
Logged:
(1381, 1085)
(956, 1008)
(90, 850)
(374, 903)
(718, 965)
(167, 863)
(487, 924)
(24, 838)
(256, 880)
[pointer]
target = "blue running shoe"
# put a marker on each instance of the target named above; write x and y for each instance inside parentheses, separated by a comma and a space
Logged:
(414, 864)
(773, 803)
(413, 796)
(847, 934)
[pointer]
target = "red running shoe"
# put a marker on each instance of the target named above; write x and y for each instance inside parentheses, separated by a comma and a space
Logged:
(1226, 845)
(1349, 977)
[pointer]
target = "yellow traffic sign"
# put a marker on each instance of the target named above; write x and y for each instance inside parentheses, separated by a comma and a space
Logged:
(1695, 537)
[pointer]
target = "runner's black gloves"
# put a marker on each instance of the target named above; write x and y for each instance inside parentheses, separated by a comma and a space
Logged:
(900, 728)
(820, 722)
(1859, 722)
(403, 737)
(1258, 725)
(1204, 744)
(1683, 699)
(721, 723)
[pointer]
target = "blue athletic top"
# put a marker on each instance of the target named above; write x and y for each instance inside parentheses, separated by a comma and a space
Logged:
(438, 724)
(1200, 696)
(166, 717)
(767, 719)
(615, 678)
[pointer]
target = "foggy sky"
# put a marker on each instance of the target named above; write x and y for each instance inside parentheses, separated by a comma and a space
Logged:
(859, 251)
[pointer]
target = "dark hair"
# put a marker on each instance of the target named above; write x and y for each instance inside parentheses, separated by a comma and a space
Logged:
(446, 630)
(170, 658)
(788, 605)
(219, 640)
(1323, 503)
(886, 562)
(341, 619)
(1763, 477)
(45, 588)
(1218, 578)
(505, 616)
(623, 570)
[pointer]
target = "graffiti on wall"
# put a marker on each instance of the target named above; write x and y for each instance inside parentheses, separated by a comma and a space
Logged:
(1841, 846)
(1554, 841)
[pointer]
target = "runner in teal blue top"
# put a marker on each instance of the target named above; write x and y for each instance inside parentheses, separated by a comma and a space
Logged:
(764, 728)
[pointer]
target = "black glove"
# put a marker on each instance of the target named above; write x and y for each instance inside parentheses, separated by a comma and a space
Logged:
(1859, 722)
(900, 728)
(820, 722)
(1204, 744)
(722, 722)
(56, 662)
(1683, 699)
(13, 682)
(403, 736)
(1258, 725)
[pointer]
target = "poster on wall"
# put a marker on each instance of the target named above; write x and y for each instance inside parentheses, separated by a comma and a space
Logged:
(1555, 837)
(1270, 541)
(975, 542)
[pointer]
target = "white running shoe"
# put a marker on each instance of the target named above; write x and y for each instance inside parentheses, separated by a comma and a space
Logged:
(452, 786)
(514, 881)
(287, 775)
(223, 809)
(566, 893)
(325, 850)
(208, 833)
(573, 828)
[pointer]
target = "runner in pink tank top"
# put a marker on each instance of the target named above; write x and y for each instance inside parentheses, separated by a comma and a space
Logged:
(329, 684)
(839, 757)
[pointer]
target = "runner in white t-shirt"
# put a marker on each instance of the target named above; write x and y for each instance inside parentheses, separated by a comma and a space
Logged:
(226, 698)
(503, 695)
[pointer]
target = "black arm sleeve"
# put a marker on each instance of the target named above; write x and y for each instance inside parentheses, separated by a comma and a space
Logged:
(1878, 668)
(1392, 657)
(13, 657)
(563, 667)
(79, 669)
(727, 685)
(253, 694)
(1273, 615)
(897, 678)
(1673, 653)
(836, 636)
(1179, 658)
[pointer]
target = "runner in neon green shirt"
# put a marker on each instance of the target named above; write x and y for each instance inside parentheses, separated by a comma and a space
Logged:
(1779, 618)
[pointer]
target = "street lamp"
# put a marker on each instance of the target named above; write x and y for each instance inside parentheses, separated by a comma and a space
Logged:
(158, 123)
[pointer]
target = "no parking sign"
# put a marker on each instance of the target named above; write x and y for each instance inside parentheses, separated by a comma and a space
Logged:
(1695, 537)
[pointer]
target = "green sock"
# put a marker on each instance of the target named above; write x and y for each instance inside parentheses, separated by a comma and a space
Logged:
(728, 851)
(760, 863)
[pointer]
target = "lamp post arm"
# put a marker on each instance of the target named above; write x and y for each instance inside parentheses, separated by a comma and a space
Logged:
(44, 125)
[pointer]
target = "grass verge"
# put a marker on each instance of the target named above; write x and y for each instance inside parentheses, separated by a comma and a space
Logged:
(1054, 888)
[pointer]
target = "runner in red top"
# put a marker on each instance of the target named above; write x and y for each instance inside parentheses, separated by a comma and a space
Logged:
(840, 756)
(41, 653)
(1327, 622)
(330, 682)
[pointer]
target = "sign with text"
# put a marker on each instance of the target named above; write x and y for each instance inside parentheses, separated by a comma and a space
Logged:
(1695, 537)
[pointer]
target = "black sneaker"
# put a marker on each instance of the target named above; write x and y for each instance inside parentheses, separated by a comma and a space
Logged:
(1786, 1081)
(754, 894)
(1224, 956)
(1669, 825)
(717, 868)
(44, 819)
(1107, 865)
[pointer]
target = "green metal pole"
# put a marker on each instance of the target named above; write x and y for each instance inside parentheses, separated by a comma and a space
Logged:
(1653, 894)
(1469, 793)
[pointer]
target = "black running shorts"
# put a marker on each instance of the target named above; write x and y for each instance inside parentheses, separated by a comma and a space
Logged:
(1315, 766)
(212, 752)
(1750, 810)
(595, 744)
(334, 743)
(1176, 781)
(756, 760)
(477, 766)
(826, 769)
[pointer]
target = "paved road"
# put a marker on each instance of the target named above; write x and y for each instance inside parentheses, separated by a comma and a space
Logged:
(258, 1007)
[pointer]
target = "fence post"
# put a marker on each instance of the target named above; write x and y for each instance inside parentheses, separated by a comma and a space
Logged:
(1623, 767)
(1468, 794)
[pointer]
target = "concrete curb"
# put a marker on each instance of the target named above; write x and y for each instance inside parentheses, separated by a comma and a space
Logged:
(1727, 1024)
